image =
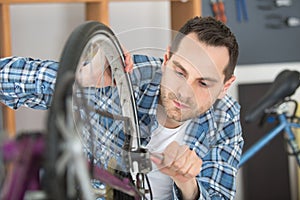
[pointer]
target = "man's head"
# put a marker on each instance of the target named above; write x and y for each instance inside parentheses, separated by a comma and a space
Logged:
(213, 33)
(198, 68)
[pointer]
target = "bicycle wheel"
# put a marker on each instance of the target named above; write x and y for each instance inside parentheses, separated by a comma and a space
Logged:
(93, 109)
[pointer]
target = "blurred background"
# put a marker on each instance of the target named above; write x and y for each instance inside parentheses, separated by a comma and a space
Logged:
(268, 44)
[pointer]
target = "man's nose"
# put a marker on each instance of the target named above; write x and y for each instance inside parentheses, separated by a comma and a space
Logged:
(185, 90)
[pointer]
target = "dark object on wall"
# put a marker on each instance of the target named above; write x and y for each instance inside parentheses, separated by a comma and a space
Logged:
(266, 175)
(276, 21)
(259, 44)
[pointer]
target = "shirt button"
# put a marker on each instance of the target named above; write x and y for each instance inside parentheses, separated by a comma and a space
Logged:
(18, 88)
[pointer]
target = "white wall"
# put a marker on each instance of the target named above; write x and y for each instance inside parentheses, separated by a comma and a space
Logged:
(40, 30)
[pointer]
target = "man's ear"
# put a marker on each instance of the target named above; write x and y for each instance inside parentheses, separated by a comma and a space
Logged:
(166, 56)
(227, 84)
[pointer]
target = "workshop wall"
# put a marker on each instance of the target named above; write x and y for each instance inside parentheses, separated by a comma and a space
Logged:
(258, 43)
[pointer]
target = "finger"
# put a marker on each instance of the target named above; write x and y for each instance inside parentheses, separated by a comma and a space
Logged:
(179, 163)
(194, 165)
(188, 172)
(170, 153)
(128, 60)
(128, 63)
(187, 163)
(157, 158)
(176, 157)
(183, 165)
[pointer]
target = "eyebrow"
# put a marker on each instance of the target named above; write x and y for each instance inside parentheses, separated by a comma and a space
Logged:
(177, 64)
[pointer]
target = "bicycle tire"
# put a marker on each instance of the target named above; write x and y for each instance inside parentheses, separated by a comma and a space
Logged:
(71, 58)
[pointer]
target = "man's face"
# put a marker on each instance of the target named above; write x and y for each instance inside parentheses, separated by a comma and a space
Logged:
(192, 79)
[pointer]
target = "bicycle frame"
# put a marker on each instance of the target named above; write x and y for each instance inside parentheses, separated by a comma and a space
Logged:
(284, 126)
(274, 101)
(26, 154)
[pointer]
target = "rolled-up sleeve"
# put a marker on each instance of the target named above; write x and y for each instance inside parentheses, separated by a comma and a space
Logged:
(27, 82)
(217, 178)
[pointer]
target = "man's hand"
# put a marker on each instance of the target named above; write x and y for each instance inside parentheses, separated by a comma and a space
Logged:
(97, 73)
(128, 61)
(182, 165)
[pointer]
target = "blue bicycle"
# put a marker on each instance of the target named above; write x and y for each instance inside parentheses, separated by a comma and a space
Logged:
(278, 104)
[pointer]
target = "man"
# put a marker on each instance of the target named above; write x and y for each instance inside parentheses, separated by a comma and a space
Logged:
(183, 106)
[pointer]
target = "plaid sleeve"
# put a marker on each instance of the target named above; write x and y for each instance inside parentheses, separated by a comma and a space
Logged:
(219, 171)
(217, 179)
(27, 82)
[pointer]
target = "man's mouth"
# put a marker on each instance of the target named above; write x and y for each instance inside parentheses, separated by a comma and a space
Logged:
(180, 105)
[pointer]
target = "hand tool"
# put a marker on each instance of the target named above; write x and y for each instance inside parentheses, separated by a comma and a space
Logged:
(218, 9)
(241, 9)
(276, 21)
(274, 4)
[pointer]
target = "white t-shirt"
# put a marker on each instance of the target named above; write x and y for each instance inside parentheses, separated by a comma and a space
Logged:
(162, 184)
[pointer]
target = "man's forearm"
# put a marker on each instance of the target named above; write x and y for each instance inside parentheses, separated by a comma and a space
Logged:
(27, 81)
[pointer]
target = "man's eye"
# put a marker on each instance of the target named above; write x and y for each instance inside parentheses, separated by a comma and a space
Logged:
(203, 84)
(179, 73)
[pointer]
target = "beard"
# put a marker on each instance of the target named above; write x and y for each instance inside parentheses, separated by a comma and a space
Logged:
(168, 99)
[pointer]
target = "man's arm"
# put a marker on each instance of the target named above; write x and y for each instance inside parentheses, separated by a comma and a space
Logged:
(217, 179)
(217, 166)
(27, 82)
(31, 82)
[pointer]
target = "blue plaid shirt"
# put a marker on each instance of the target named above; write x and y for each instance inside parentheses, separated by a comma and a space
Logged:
(216, 135)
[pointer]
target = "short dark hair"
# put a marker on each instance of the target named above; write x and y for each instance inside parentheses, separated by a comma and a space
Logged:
(214, 33)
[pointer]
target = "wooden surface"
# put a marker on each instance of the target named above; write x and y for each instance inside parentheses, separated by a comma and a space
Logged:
(97, 11)
(48, 1)
(5, 50)
(181, 12)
